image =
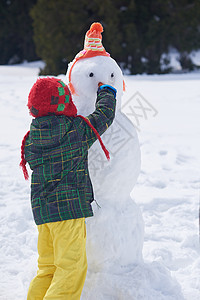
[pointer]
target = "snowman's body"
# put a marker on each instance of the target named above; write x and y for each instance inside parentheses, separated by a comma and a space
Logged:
(120, 244)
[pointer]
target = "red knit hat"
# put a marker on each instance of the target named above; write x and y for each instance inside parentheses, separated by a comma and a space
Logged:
(50, 96)
(92, 47)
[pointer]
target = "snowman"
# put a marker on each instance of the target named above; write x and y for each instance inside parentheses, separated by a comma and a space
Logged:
(115, 233)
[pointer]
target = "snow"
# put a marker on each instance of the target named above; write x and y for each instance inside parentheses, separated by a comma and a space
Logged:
(167, 191)
(195, 57)
(170, 171)
(173, 60)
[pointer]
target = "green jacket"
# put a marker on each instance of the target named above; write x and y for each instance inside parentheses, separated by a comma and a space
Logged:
(57, 152)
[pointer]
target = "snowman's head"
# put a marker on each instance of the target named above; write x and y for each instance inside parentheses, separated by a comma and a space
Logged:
(91, 66)
(86, 75)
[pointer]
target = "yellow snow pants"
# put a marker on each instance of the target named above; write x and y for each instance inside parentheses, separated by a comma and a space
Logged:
(62, 262)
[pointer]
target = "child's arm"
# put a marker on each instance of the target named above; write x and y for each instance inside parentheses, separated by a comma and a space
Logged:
(104, 114)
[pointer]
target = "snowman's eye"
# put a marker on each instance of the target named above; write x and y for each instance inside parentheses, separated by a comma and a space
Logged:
(112, 75)
(91, 74)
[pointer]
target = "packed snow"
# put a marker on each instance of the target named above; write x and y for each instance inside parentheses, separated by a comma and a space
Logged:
(165, 111)
(109, 251)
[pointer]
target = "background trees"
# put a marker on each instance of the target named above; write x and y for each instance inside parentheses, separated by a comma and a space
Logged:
(137, 32)
(16, 32)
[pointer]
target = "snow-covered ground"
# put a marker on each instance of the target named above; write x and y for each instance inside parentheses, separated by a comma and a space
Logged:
(165, 110)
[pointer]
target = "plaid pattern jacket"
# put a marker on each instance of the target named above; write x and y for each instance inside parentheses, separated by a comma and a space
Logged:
(57, 152)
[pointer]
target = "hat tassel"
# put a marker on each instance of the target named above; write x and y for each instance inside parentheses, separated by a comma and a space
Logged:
(98, 136)
(23, 160)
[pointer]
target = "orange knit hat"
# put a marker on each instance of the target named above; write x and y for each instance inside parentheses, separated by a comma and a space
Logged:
(92, 47)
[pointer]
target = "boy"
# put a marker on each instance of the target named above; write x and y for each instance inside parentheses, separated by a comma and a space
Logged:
(56, 148)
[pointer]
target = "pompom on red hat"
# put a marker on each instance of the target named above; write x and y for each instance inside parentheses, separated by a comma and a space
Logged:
(92, 47)
(50, 96)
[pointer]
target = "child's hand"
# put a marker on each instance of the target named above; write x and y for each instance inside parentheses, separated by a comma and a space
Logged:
(108, 87)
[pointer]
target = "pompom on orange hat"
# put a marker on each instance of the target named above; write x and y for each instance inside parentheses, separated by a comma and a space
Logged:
(92, 47)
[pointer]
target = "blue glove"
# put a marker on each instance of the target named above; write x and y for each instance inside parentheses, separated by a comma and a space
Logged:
(109, 88)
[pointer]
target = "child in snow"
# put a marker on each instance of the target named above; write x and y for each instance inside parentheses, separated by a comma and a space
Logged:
(56, 148)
